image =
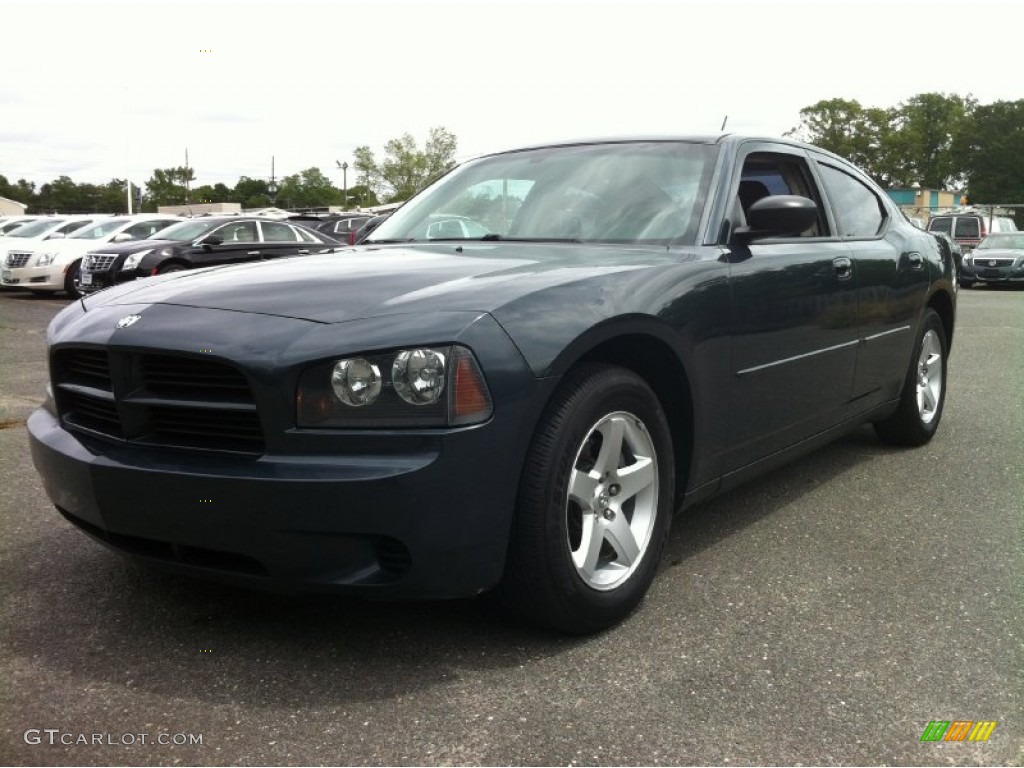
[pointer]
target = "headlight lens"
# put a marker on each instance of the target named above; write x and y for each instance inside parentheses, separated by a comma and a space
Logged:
(356, 381)
(133, 261)
(46, 259)
(418, 375)
(417, 387)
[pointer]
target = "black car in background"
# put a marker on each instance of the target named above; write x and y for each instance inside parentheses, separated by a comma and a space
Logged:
(200, 242)
(341, 227)
(642, 324)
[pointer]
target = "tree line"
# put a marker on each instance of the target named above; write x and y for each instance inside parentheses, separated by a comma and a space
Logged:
(403, 169)
(936, 140)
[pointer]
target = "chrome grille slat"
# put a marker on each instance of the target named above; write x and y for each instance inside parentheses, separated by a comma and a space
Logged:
(99, 262)
(17, 259)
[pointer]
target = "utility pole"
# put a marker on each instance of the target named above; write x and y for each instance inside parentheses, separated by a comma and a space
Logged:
(187, 174)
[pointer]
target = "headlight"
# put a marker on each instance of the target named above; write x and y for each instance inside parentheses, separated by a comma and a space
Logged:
(966, 260)
(356, 381)
(45, 259)
(420, 387)
(418, 375)
(133, 261)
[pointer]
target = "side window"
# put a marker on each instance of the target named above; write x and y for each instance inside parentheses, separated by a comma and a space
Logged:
(858, 211)
(275, 232)
(67, 229)
(305, 237)
(238, 232)
(765, 174)
(144, 229)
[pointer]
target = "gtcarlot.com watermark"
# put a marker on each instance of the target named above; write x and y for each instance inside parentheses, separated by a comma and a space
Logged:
(58, 737)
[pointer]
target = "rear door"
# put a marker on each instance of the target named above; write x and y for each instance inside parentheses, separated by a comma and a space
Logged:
(280, 239)
(890, 261)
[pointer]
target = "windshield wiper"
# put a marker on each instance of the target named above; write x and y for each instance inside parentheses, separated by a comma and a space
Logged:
(371, 241)
(494, 236)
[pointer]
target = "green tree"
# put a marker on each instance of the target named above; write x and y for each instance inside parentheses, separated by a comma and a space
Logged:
(992, 147)
(360, 196)
(921, 146)
(405, 168)
(845, 127)
(251, 193)
(308, 189)
(215, 193)
(169, 186)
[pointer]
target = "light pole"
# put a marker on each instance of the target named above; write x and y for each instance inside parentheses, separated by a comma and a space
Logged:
(344, 183)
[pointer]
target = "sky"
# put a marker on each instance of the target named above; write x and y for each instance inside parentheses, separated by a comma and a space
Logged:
(96, 91)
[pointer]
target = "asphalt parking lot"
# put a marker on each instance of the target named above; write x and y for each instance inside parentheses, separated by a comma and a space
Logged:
(824, 614)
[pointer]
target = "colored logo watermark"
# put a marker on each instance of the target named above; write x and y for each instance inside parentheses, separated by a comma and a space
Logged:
(958, 730)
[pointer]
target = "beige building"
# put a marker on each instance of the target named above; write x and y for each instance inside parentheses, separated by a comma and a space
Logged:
(10, 207)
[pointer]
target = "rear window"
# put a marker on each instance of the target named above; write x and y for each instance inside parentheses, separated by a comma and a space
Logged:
(941, 224)
(967, 226)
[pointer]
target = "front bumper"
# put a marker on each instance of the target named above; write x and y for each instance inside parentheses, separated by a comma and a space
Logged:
(49, 278)
(411, 513)
(975, 273)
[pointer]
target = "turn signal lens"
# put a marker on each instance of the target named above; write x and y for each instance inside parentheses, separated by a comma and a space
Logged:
(356, 381)
(470, 400)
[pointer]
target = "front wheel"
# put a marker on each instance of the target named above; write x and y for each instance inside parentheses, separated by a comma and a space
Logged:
(73, 280)
(924, 390)
(595, 504)
(172, 267)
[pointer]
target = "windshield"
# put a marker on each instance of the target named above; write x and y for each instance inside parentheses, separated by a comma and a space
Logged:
(1015, 241)
(97, 231)
(36, 228)
(632, 192)
(186, 230)
(12, 225)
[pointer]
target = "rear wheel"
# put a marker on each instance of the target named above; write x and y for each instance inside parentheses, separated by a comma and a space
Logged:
(595, 504)
(924, 391)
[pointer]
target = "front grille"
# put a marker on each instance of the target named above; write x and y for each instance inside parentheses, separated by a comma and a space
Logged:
(17, 258)
(981, 261)
(169, 400)
(98, 262)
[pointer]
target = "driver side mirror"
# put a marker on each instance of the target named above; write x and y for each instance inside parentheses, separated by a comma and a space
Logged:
(121, 237)
(209, 241)
(778, 216)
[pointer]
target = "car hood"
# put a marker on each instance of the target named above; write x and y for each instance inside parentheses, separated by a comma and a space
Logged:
(131, 246)
(389, 280)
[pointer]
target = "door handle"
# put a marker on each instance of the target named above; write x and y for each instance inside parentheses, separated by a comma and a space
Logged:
(843, 267)
(303, 251)
(252, 253)
(916, 260)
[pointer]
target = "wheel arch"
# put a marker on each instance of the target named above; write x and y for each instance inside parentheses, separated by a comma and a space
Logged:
(649, 349)
(942, 303)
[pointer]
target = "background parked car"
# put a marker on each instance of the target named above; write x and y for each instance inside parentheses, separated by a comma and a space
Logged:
(968, 229)
(341, 227)
(55, 265)
(998, 259)
(18, 246)
(200, 242)
(11, 223)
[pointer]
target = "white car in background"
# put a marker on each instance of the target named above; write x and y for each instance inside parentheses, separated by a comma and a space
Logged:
(10, 223)
(18, 245)
(56, 265)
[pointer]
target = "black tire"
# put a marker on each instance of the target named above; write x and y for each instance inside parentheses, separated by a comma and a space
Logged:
(172, 267)
(920, 410)
(542, 582)
(72, 278)
(966, 283)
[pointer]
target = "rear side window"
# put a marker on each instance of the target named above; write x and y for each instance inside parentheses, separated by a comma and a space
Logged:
(858, 211)
(967, 226)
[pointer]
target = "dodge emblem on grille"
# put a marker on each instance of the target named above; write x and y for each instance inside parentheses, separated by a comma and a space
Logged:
(124, 322)
(992, 263)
